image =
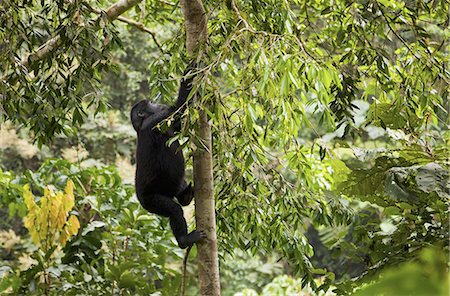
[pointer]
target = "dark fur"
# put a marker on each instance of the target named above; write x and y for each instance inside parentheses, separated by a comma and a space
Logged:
(160, 170)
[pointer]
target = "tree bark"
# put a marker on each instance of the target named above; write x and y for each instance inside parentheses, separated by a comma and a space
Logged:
(208, 259)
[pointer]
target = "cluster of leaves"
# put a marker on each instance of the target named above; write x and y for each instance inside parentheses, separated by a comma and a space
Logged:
(118, 249)
(426, 276)
(411, 213)
(49, 223)
(244, 270)
(45, 89)
(285, 285)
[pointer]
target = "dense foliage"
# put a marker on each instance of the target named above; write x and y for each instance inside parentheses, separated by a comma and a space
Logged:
(330, 143)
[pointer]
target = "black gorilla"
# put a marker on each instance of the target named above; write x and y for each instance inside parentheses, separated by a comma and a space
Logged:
(160, 169)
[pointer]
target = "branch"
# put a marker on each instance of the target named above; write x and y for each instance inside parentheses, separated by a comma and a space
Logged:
(250, 29)
(430, 58)
(388, 21)
(137, 25)
(120, 7)
(113, 12)
(142, 28)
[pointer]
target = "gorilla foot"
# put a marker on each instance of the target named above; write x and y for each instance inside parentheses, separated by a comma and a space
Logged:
(191, 238)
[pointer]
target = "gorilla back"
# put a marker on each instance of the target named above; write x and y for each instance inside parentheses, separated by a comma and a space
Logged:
(160, 170)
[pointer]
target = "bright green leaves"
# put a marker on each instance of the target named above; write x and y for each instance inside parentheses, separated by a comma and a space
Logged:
(427, 275)
(121, 246)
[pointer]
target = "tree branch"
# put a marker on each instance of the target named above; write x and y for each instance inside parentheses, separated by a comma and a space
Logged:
(142, 28)
(137, 25)
(388, 21)
(113, 12)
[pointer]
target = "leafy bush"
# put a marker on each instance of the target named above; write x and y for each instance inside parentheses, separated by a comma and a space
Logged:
(119, 247)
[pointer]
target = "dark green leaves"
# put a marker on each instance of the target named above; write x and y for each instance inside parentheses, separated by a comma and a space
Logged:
(48, 90)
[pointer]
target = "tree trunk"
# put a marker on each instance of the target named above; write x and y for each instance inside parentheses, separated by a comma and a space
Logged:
(208, 260)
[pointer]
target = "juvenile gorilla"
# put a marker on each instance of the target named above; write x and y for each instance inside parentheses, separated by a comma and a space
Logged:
(160, 169)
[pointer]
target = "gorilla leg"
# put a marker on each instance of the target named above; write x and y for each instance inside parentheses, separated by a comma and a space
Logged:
(186, 194)
(165, 206)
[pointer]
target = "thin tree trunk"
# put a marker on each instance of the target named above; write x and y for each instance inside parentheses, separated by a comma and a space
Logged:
(208, 260)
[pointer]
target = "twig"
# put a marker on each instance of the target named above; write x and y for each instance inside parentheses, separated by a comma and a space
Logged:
(52, 44)
(238, 13)
(183, 277)
(137, 25)
(430, 57)
(396, 34)
(142, 28)
(250, 29)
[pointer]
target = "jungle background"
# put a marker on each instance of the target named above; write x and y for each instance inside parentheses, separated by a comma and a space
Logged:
(330, 144)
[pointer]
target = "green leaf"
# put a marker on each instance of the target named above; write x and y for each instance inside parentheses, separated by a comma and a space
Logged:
(389, 211)
(127, 280)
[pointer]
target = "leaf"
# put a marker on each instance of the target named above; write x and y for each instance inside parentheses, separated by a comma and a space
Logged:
(389, 211)
(405, 206)
(73, 225)
(127, 280)
(28, 198)
(92, 226)
(433, 178)
(326, 10)
(69, 201)
(285, 81)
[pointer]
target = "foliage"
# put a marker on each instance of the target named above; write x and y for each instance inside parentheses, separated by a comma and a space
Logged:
(244, 270)
(332, 116)
(285, 285)
(50, 224)
(118, 249)
(105, 138)
(426, 276)
(49, 97)
(50, 227)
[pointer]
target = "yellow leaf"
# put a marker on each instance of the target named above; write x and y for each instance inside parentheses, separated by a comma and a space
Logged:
(73, 225)
(28, 198)
(58, 211)
(64, 236)
(48, 191)
(34, 237)
(69, 201)
(29, 221)
(56, 204)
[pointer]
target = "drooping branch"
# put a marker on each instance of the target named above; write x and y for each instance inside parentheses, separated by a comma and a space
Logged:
(139, 26)
(142, 28)
(113, 12)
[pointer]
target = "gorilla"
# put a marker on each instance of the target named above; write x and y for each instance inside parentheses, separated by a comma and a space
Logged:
(160, 168)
